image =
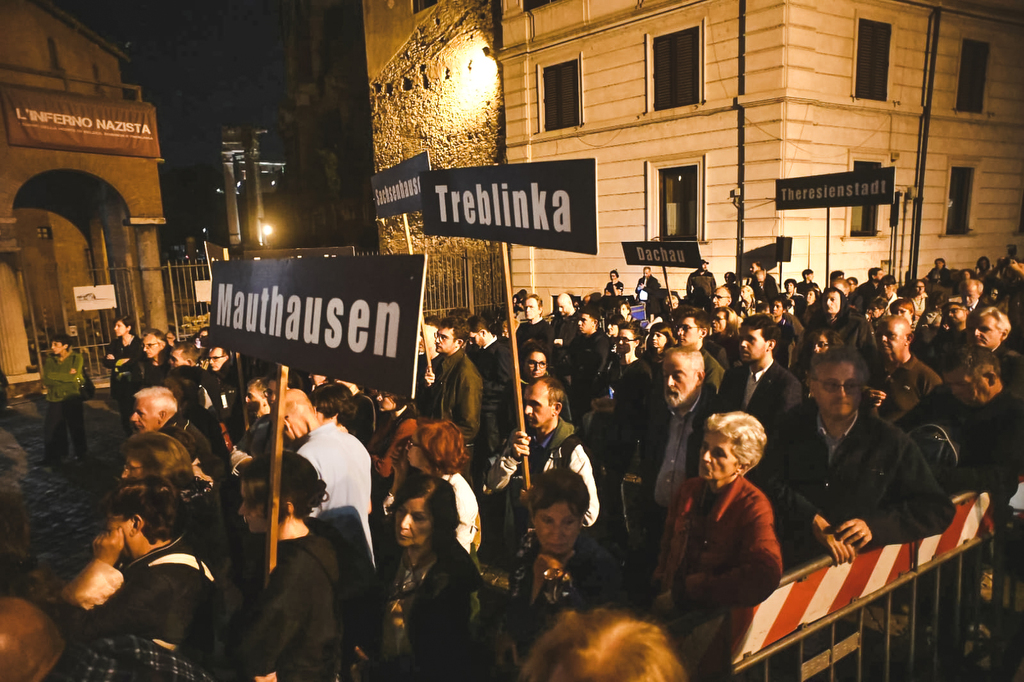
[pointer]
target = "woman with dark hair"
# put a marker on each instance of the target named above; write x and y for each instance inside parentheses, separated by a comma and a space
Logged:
(437, 449)
(158, 454)
(725, 326)
(660, 338)
(813, 307)
(63, 377)
(556, 567)
(536, 362)
(160, 582)
(426, 620)
(293, 628)
(815, 342)
(122, 360)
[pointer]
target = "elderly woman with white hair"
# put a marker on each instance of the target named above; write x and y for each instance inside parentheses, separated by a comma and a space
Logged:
(719, 546)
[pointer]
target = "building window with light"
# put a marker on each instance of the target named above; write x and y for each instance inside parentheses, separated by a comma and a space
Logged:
(679, 202)
(44, 232)
(864, 219)
(959, 207)
(873, 38)
(970, 91)
(677, 69)
(562, 95)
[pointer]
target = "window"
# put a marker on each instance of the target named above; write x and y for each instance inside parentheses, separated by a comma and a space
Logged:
(864, 219)
(678, 195)
(534, 4)
(677, 69)
(873, 60)
(970, 91)
(562, 96)
(420, 5)
(958, 208)
(44, 232)
(54, 60)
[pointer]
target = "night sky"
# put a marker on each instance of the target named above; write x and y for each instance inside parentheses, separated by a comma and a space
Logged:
(202, 63)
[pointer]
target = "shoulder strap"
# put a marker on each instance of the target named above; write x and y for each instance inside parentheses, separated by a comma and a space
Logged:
(563, 455)
(184, 560)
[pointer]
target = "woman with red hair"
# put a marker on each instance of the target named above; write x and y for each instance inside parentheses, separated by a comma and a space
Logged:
(438, 449)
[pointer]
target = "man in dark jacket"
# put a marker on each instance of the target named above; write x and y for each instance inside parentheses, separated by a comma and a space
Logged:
(587, 358)
(493, 359)
(457, 390)
(844, 480)
(760, 387)
(764, 285)
(900, 380)
(566, 323)
(989, 328)
(535, 328)
(869, 291)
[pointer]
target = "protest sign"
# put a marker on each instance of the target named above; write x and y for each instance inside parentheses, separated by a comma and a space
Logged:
(396, 190)
(355, 319)
(856, 188)
(667, 254)
(550, 205)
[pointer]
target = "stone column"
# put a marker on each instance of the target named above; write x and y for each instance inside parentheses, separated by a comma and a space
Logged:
(14, 355)
(153, 297)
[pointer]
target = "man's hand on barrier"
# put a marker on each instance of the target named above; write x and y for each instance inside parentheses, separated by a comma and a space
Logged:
(855, 533)
(841, 552)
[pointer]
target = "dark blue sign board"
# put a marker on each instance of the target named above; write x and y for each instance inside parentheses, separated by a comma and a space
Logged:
(856, 188)
(549, 204)
(397, 189)
(324, 316)
(669, 254)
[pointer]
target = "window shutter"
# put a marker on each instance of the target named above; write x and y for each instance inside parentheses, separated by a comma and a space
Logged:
(873, 60)
(561, 96)
(677, 69)
(970, 92)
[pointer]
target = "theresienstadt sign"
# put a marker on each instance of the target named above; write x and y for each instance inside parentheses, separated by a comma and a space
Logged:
(856, 188)
(396, 190)
(354, 318)
(670, 254)
(550, 205)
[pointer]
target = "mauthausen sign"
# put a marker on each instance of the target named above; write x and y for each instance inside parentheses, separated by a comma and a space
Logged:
(58, 120)
(856, 188)
(353, 318)
(550, 205)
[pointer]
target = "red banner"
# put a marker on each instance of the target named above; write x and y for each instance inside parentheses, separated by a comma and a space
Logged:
(59, 120)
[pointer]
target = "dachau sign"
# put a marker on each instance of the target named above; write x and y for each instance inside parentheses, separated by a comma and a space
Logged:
(668, 254)
(396, 190)
(856, 188)
(550, 205)
(324, 315)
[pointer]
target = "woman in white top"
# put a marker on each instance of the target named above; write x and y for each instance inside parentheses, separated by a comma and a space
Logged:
(438, 449)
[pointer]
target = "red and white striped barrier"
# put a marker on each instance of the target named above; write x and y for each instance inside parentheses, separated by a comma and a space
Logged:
(831, 588)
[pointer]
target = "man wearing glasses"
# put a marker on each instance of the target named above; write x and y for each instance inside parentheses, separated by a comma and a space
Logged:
(844, 480)
(155, 364)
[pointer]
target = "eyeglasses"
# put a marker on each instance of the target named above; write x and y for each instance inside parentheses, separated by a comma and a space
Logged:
(683, 328)
(834, 387)
(821, 344)
(626, 339)
(216, 357)
(155, 344)
(536, 363)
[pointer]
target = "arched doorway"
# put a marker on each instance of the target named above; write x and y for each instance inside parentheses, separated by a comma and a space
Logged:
(71, 231)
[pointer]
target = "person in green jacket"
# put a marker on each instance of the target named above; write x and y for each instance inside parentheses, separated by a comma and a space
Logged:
(63, 377)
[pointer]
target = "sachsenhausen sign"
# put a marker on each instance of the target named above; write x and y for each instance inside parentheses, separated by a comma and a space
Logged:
(668, 254)
(550, 205)
(396, 190)
(354, 318)
(856, 188)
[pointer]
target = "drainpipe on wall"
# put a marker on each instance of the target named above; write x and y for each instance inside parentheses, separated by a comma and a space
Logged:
(741, 67)
(932, 51)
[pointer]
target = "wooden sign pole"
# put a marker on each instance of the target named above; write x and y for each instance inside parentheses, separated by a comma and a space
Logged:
(274, 513)
(515, 354)
(664, 271)
(243, 389)
(423, 327)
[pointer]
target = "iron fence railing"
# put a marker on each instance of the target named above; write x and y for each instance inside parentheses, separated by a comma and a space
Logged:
(188, 313)
(472, 280)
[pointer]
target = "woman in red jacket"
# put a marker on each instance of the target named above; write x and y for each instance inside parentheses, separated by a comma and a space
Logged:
(719, 547)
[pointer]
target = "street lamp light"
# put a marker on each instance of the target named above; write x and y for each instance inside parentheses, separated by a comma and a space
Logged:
(267, 231)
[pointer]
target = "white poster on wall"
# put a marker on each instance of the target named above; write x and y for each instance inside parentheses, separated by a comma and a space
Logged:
(204, 290)
(101, 297)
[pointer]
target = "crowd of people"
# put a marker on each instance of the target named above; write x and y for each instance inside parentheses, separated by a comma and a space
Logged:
(678, 451)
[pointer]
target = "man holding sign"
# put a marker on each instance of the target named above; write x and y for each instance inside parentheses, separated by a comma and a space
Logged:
(457, 390)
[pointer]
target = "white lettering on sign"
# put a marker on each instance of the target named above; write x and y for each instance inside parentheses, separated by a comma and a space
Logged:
(317, 322)
(58, 119)
(525, 209)
(856, 189)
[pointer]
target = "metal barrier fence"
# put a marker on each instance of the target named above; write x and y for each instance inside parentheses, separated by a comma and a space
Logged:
(189, 314)
(841, 619)
(472, 280)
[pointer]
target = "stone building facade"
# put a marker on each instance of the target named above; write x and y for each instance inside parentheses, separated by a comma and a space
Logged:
(67, 217)
(694, 109)
(434, 86)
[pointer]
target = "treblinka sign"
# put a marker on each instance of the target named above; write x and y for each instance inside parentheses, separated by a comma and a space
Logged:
(550, 204)
(856, 188)
(324, 315)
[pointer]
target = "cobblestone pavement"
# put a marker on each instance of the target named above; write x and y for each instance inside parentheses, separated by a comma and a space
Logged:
(63, 502)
